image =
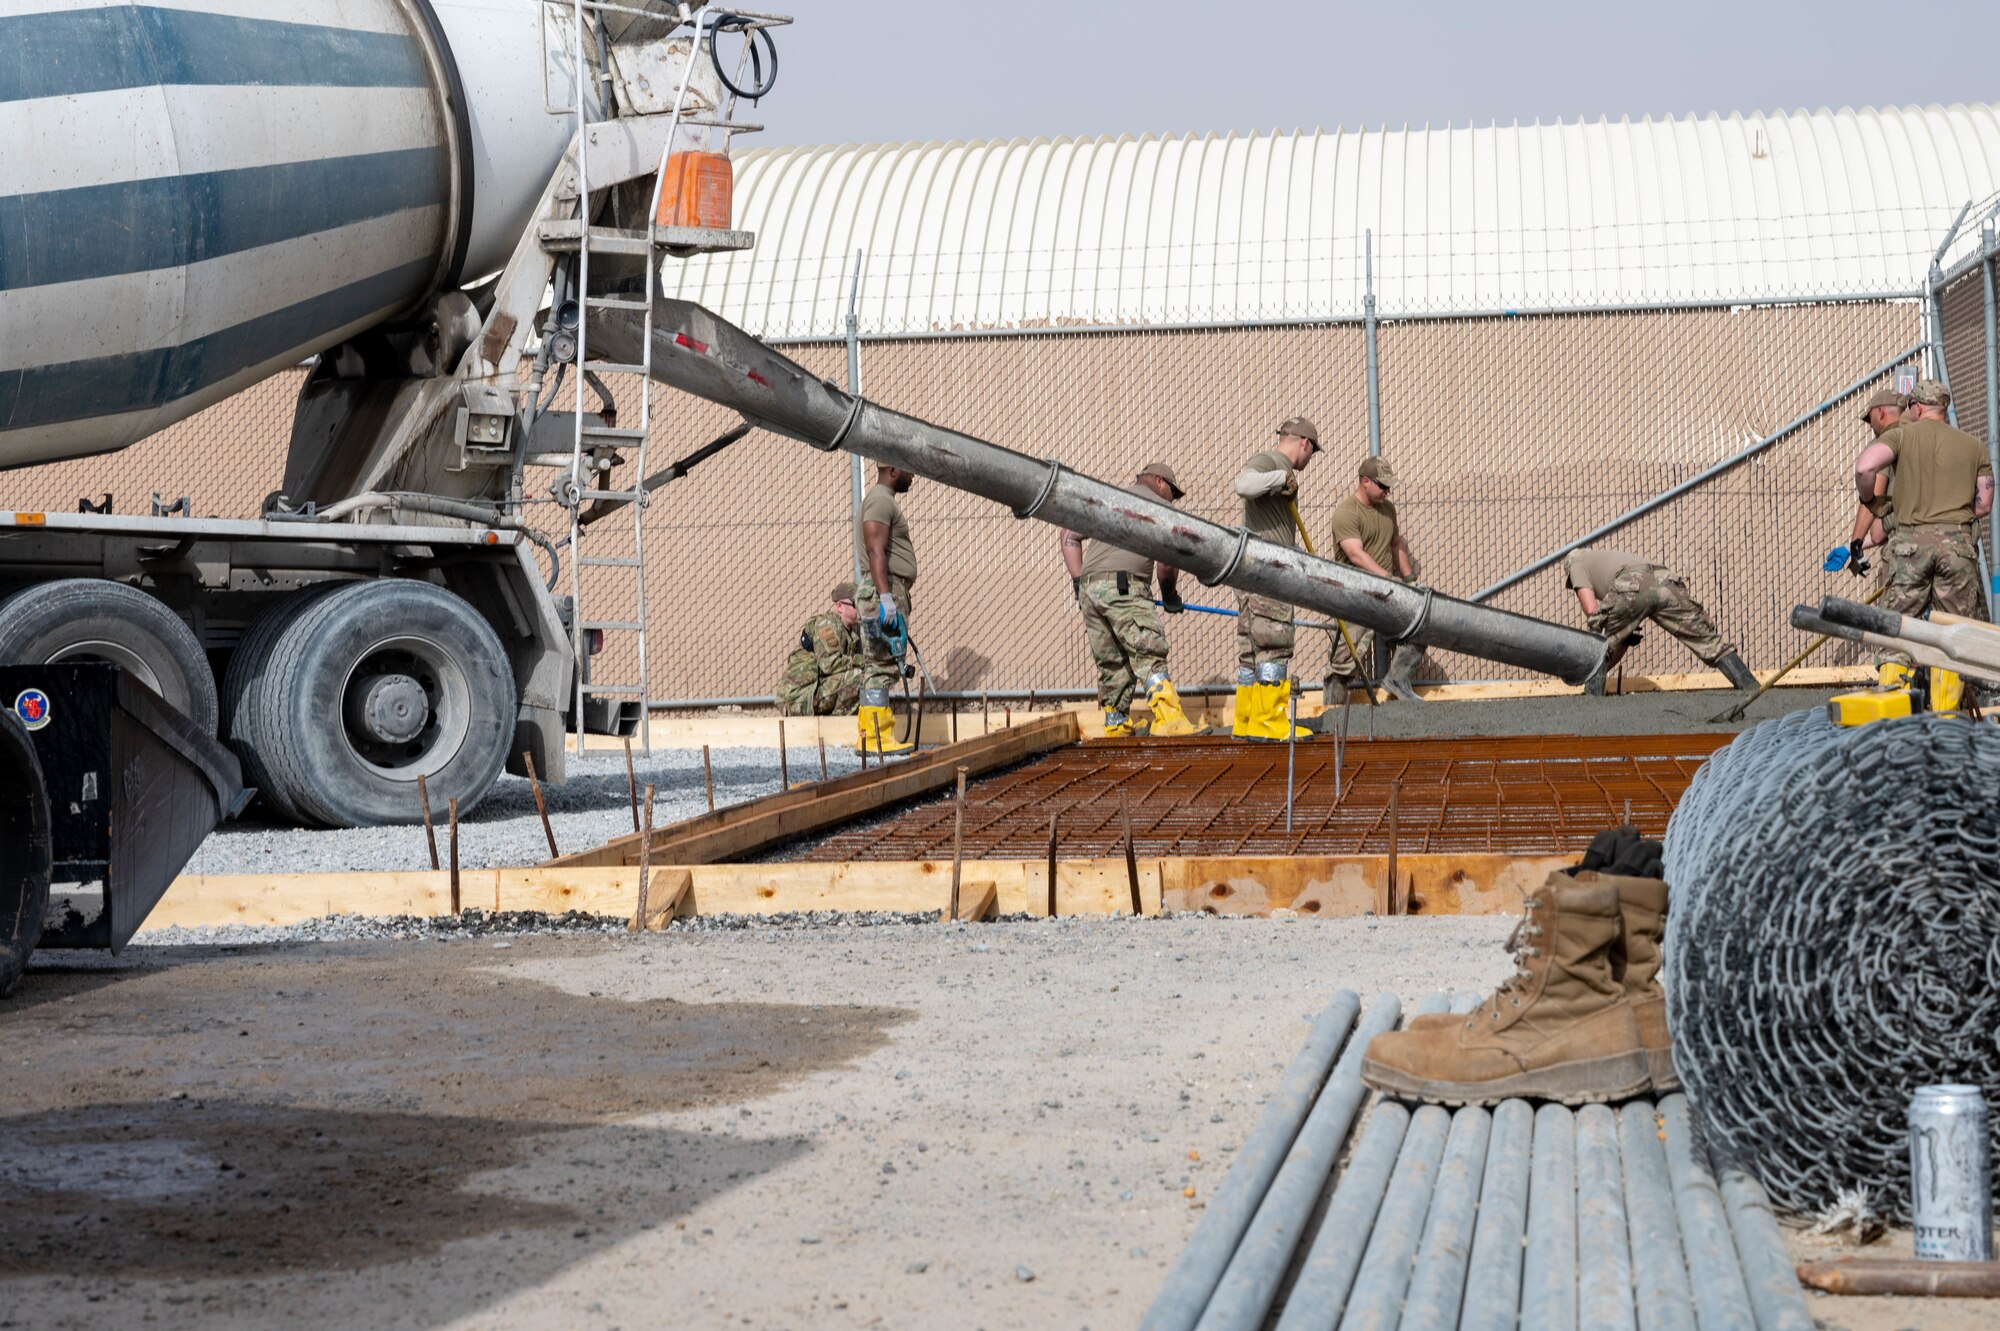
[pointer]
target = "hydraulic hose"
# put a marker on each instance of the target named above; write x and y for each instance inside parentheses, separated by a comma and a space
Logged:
(700, 353)
(761, 83)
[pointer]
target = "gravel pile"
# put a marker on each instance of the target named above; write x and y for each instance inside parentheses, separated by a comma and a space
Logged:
(590, 808)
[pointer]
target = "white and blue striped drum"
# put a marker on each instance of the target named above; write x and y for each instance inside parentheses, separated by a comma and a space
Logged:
(195, 194)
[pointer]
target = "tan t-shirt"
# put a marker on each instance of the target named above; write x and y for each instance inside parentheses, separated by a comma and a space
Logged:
(1937, 471)
(1374, 527)
(880, 505)
(1104, 557)
(1270, 516)
(1598, 568)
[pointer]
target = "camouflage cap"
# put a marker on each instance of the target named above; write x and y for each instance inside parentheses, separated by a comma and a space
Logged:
(1379, 471)
(1885, 397)
(843, 591)
(1165, 473)
(1300, 428)
(1931, 393)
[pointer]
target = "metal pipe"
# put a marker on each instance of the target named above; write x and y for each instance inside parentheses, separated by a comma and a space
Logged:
(1201, 1264)
(1495, 1266)
(855, 478)
(1659, 1277)
(1548, 1268)
(1437, 1286)
(1703, 477)
(1775, 1296)
(1603, 1253)
(1992, 396)
(1721, 1300)
(1369, 325)
(1337, 320)
(698, 352)
(1326, 1276)
(1394, 1239)
(1243, 1297)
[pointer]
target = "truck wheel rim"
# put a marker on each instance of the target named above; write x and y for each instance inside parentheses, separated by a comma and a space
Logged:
(447, 702)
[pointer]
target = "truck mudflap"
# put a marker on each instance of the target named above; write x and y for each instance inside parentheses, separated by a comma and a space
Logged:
(24, 849)
(132, 788)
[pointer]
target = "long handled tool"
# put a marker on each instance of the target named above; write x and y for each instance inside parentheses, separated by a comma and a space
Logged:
(1353, 652)
(1735, 710)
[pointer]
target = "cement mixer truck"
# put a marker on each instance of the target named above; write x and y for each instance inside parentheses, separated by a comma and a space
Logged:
(453, 211)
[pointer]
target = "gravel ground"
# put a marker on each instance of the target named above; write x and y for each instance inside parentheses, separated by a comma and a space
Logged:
(1001, 1125)
(589, 809)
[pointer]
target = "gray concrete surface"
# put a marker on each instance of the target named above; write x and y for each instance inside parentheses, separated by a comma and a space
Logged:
(1630, 714)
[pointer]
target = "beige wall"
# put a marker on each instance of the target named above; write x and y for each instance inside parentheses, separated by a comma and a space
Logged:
(1511, 436)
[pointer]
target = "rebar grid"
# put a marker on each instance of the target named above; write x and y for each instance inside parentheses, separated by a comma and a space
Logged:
(1222, 797)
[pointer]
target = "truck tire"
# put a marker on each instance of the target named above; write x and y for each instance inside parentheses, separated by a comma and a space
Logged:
(247, 665)
(93, 619)
(24, 850)
(371, 685)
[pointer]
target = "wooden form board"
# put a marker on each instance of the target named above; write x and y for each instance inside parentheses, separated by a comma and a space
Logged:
(1320, 886)
(744, 829)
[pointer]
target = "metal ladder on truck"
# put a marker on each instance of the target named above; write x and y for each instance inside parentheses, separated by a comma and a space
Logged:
(598, 445)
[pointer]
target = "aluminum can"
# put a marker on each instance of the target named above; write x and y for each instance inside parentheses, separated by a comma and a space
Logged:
(1951, 1176)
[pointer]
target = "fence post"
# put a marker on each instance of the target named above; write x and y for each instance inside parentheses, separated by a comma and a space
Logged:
(1986, 248)
(854, 387)
(1368, 325)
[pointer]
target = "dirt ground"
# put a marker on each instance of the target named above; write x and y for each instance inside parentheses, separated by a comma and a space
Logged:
(966, 1125)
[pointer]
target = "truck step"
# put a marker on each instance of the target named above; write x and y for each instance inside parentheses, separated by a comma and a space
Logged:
(612, 367)
(612, 432)
(609, 561)
(622, 690)
(615, 625)
(562, 236)
(617, 302)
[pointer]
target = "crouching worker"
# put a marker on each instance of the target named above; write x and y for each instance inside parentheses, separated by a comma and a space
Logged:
(823, 673)
(1619, 591)
(1582, 1021)
(1128, 641)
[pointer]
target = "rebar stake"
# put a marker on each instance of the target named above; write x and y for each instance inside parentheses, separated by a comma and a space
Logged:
(957, 841)
(645, 864)
(1131, 860)
(453, 807)
(632, 783)
(1052, 863)
(822, 757)
(1395, 818)
(535, 785)
(707, 781)
(784, 767)
(430, 832)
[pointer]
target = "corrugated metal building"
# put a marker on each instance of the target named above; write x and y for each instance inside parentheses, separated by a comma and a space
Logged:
(1575, 317)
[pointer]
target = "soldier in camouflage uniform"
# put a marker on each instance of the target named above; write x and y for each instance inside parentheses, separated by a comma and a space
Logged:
(823, 673)
(1114, 590)
(1618, 592)
(1944, 482)
(1268, 485)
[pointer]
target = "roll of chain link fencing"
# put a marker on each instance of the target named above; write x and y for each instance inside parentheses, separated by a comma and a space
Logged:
(1834, 943)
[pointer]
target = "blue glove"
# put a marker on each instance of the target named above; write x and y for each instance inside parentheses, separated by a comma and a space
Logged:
(1836, 559)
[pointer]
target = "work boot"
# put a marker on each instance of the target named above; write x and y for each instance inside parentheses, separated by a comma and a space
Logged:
(1947, 689)
(1559, 1029)
(1635, 961)
(1401, 677)
(1739, 675)
(875, 730)
(1117, 725)
(1243, 724)
(1168, 718)
(1892, 675)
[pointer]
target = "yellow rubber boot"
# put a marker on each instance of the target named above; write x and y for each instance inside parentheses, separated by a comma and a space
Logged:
(1117, 725)
(876, 733)
(1168, 718)
(1281, 714)
(1892, 675)
(1947, 689)
(1243, 726)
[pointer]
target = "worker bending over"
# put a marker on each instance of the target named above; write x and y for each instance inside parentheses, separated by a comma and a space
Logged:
(1619, 591)
(823, 673)
(884, 604)
(1114, 589)
(1268, 485)
(1943, 483)
(1366, 536)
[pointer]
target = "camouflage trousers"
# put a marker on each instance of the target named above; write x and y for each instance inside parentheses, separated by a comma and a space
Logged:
(879, 667)
(1930, 568)
(1655, 594)
(1264, 631)
(827, 695)
(1127, 640)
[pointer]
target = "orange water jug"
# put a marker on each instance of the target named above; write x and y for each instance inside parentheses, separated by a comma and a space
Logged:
(695, 191)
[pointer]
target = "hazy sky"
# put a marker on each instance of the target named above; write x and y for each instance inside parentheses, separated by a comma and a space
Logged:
(880, 70)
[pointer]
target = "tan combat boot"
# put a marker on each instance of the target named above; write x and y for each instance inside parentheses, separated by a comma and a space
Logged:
(1560, 1029)
(1635, 960)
